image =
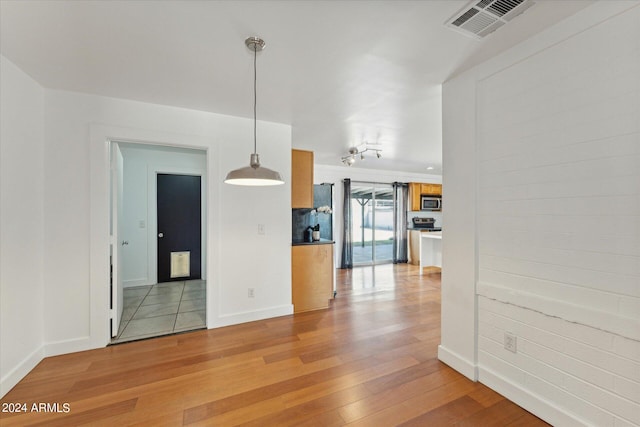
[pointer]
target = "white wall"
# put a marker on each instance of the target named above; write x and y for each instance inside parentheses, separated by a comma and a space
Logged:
(55, 216)
(335, 175)
(459, 271)
(554, 144)
(77, 128)
(141, 163)
(21, 224)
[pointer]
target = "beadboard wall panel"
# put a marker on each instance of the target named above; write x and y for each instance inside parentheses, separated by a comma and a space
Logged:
(558, 137)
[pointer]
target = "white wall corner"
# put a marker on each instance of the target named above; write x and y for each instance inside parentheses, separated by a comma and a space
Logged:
(461, 364)
(14, 376)
(459, 246)
(67, 346)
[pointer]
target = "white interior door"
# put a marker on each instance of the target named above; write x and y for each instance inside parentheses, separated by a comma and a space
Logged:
(117, 242)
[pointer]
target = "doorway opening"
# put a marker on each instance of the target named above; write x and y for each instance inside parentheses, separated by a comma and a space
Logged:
(372, 223)
(159, 236)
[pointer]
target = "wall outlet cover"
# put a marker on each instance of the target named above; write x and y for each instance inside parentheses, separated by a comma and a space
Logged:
(510, 342)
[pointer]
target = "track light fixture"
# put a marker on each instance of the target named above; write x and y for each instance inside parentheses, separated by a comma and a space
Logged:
(350, 158)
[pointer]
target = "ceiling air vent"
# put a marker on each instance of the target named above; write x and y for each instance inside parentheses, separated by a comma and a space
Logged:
(483, 17)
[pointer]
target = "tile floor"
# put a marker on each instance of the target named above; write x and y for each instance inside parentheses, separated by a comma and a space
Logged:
(162, 309)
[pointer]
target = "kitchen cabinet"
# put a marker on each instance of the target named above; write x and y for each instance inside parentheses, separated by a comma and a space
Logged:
(425, 248)
(431, 250)
(417, 189)
(301, 179)
(414, 246)
(414, 195)
(431, 189)
(311, 276)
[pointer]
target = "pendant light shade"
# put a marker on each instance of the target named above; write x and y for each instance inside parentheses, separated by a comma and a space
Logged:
(254, 174)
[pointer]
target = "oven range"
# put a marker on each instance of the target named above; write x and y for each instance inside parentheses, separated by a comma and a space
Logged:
(424, 224)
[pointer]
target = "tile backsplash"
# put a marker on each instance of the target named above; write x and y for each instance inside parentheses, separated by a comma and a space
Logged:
(303, 218)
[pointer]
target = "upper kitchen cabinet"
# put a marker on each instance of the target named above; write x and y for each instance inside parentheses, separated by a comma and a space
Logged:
(431, 189)
(301, 179)
(414, 194)
(418, 189)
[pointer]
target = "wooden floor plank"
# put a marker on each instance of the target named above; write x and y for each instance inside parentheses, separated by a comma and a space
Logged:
(368, 360)
(388, 406)
(496, 415)
(447, 414)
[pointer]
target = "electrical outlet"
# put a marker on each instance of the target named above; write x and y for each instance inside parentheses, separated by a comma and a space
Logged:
(510, 342)
(260, 228)
(251, 293)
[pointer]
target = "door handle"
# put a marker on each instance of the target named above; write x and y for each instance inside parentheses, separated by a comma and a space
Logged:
(160, 234)
(125, 242)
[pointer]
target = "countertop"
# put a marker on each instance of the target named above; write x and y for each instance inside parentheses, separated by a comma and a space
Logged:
(424, 230)
(317, 242)
(432, 235)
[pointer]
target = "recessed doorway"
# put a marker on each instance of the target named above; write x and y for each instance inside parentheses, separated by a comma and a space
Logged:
(163, 200)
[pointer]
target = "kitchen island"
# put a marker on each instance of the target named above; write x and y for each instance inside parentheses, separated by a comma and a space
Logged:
(430, 249)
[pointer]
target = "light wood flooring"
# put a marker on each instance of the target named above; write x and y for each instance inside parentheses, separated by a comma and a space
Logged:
(369, 360)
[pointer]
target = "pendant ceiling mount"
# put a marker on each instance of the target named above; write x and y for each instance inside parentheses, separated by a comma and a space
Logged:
(255, 44)
(254, 174)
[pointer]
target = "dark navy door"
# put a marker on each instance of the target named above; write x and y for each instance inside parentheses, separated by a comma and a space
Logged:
(179, 227)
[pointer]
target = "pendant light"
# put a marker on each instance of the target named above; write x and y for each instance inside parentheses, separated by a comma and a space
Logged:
(254, 174)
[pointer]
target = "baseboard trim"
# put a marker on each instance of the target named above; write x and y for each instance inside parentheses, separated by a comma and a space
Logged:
(14, 376)
(533, 403)
(68, 346)
(251, 316)
(136, 282)
(46, 350)
(457, 362)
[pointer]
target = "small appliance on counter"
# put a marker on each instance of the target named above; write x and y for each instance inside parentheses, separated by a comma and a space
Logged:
(423, 223)
(314, 225)
(308, 234)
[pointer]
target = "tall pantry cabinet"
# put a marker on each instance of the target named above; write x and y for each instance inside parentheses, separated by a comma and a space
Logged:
(311, 262)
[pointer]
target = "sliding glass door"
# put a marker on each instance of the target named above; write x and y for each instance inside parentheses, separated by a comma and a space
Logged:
(372, 223)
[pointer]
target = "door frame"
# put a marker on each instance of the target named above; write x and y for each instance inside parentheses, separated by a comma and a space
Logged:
(152, 216)
(373, 260)
(100, 137)
(116, 185)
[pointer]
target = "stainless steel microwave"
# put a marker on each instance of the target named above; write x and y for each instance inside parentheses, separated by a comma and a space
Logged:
(430, 203)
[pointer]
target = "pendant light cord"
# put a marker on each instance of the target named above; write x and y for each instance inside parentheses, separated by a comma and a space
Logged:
(255, 98)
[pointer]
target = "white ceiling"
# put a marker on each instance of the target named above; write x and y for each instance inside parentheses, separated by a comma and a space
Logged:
(340, 72)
